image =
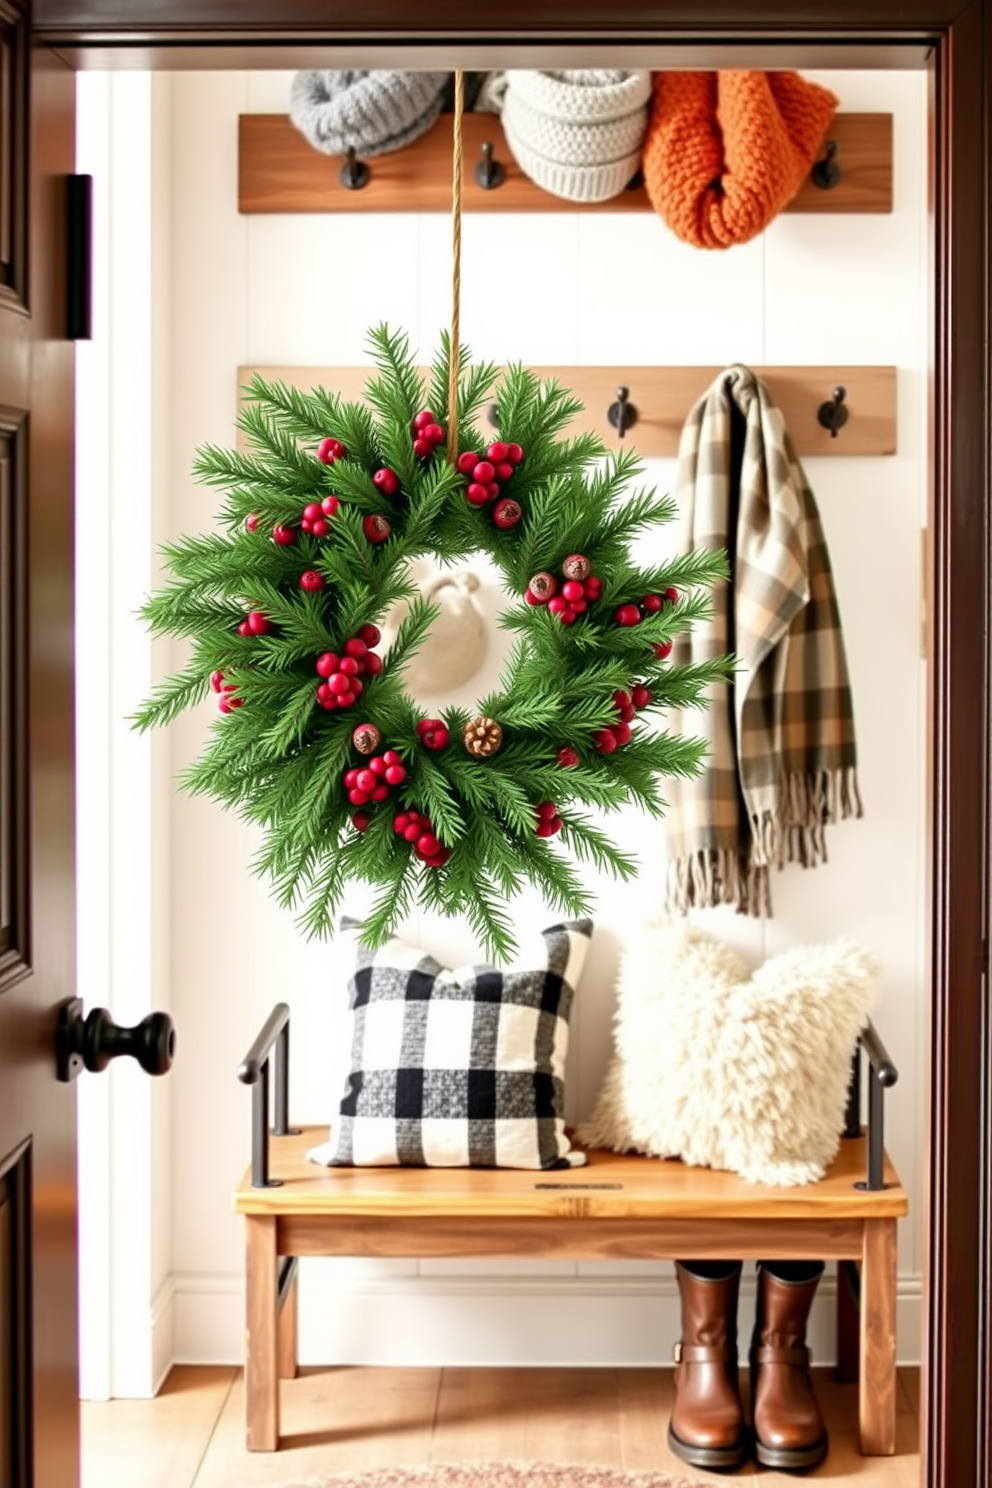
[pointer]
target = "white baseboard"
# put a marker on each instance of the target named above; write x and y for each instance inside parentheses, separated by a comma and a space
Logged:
(485, 1319)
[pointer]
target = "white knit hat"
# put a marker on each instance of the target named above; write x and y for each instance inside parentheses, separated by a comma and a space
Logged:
(577, 134)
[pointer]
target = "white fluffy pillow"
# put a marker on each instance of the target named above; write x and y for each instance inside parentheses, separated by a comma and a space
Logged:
(726, 1068)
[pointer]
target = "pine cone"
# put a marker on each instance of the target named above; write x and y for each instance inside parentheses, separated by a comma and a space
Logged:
(482, 737)
(366, 738)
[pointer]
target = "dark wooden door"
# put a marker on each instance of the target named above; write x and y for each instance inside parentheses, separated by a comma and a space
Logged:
(39, 1433)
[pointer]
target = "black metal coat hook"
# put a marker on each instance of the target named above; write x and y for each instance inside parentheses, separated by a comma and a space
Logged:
(622, 414)
(833, 415)
(489, 172)
(354, 173)
(826, 173)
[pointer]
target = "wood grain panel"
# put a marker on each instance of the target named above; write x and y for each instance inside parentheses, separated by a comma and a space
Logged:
(288, 1329)
(878, 1339)
(280, 171)
(892, 33)
(663, 397)
(14, 870)
(613, 1186)
(261, 1331)
(13, 144)
(570, 1239)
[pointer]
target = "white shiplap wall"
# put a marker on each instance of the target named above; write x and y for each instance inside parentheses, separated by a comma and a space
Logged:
(562, 288)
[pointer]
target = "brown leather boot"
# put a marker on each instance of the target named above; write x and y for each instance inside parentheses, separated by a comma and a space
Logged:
(707, 1428)
(788, 1429)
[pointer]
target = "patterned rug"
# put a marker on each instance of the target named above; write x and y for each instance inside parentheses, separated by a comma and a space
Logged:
(503, 1475)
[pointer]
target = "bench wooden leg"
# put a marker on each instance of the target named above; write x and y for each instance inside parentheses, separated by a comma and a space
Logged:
(288, 1321)
(877, 1386)
(262, 1307)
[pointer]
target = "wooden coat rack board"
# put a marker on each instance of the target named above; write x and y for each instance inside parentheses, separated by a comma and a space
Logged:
(279, 171)
(662, 396)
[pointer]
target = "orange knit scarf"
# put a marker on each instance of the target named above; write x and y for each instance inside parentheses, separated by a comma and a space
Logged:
(725, 151)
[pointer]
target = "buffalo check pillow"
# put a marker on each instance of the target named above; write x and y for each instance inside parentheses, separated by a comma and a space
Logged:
(458, 1067)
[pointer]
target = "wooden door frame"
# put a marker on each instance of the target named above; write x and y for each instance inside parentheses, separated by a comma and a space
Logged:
(952, 39)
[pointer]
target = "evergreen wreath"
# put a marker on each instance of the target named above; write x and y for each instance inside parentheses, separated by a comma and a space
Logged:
(319, 743)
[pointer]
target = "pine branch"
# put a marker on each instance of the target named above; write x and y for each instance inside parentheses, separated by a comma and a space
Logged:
(312, 415)
(254, 477)
(398, 392)
(292, 724)
(326, 887)
(412, 631)
(170, 698)
(491, 924)
(391, 905)
(590, 845)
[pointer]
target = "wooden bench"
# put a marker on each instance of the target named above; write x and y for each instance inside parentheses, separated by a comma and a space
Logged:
(618, 1207)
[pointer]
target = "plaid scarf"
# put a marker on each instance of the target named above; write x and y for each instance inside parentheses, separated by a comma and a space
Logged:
(781, 734)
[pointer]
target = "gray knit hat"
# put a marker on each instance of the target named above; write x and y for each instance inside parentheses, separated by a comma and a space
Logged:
(374, 112)
(577, 134)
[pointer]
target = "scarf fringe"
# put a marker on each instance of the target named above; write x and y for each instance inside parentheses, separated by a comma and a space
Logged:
(709, 877)
(811, 802)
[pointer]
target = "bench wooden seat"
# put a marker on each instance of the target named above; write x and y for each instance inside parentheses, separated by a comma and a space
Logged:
(618, 1207)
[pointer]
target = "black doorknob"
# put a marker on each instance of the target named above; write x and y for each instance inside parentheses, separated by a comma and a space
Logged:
(92, 1042)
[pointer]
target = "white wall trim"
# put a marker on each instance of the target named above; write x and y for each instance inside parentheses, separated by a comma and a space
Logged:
(163, 1332)
(491, 1320)
(123, 1183)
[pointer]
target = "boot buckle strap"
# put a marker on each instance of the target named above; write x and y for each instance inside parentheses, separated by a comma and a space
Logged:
(798, 1357)
(703, 1353)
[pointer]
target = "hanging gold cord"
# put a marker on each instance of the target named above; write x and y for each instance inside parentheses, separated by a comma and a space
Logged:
(456, 274)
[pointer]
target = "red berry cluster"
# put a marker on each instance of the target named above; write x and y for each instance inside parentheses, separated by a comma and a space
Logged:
(633, 614)
(627, 705)
(486, 474)
(256, 623)
(573, 596)
(316, 516)
(371, 781)
(416, 829)
(548, 820)
(427, 433)
(342, 684)
(227, 698)
(433, 733)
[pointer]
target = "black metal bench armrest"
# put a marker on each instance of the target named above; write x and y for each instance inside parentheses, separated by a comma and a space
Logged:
(882, 1073)
(254, 1070)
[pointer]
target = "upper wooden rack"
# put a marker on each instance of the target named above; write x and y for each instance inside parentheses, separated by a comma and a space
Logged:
(279, 171)
(662, 397)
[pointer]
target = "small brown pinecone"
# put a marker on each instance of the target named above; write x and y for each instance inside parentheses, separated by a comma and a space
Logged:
(366, 738)
(576, 566)
(482, 737)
